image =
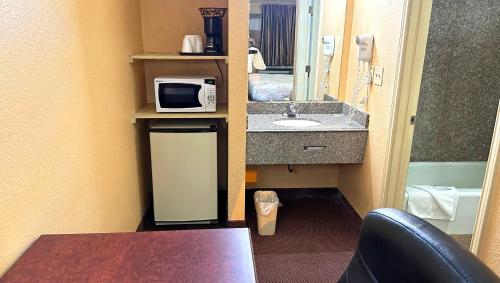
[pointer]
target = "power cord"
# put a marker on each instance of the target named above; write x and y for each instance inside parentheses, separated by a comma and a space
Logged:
(220, 72)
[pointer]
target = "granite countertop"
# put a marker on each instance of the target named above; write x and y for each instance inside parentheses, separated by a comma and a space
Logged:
(329, 123)
(340, 138)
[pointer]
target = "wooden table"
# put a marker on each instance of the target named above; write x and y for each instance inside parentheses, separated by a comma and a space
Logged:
(211, 255)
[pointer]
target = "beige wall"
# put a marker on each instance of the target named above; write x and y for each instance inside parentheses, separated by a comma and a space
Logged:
(362, 184)
(69, 152)
(346, 49)
(332, 23)
(237, 98)
(303, 176)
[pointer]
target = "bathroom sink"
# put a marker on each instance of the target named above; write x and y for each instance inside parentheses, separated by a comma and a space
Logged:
(296, 123)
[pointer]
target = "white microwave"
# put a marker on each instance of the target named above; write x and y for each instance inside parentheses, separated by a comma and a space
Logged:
(185, 94)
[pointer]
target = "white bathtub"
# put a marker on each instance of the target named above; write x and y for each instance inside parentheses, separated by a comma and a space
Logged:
(467, 177)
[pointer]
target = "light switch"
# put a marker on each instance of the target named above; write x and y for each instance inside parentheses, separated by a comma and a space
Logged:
(378, 75)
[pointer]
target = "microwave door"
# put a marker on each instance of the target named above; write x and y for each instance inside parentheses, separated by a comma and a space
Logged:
(180, 96)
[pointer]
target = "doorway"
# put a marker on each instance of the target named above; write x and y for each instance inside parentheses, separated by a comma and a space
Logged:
(306, 42)
(452, 117)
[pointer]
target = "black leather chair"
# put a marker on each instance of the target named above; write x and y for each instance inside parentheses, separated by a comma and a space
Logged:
(395, 246)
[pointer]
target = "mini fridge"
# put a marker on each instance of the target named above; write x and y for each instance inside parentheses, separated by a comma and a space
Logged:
(184, 171)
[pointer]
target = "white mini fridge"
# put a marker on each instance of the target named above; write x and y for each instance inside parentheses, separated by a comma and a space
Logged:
(184, 169)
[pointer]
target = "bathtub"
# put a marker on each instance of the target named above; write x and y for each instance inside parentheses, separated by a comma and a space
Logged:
(467, 177)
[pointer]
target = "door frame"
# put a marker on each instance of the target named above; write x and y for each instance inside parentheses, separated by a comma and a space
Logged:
(314, 44)
(417, 21)
(488, 187)
(401, 133)
(302, 46)
(306, 42)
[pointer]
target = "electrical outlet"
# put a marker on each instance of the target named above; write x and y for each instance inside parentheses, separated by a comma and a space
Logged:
(378, 75)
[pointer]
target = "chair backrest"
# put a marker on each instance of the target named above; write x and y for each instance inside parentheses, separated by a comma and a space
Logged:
(396, 246)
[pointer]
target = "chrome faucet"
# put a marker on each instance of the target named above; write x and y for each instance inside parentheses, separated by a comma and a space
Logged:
(292, 110)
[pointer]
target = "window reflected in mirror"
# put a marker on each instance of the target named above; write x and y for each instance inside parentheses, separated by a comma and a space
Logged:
(295, 49)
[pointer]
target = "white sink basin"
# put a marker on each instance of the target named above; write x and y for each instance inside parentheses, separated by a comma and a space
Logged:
(296, 123)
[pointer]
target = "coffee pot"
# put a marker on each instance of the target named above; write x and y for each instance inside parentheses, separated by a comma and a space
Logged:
(213, 29)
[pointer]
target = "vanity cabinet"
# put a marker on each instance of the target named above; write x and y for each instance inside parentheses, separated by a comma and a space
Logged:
(333, 147)
(338, 136)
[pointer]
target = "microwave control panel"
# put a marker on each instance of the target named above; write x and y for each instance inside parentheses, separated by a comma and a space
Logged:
(210, 94)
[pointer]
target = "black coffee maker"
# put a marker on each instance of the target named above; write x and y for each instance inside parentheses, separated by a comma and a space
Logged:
(213, 29)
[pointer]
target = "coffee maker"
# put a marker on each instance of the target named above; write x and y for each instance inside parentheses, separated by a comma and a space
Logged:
(213, 29)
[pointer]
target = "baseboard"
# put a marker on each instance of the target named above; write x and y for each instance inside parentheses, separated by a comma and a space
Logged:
(140, 226)
(237, 224)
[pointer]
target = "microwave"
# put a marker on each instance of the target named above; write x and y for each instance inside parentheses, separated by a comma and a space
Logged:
(185, 94)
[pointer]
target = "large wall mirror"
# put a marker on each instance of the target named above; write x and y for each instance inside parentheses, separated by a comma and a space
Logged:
(295, 50)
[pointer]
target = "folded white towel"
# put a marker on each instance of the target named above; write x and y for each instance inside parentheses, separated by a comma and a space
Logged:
(432, 202)
(255, 61)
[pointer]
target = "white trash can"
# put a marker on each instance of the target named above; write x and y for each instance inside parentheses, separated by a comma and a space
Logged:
(266, 205)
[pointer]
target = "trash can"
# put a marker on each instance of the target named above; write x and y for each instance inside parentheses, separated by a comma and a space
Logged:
(266, 205)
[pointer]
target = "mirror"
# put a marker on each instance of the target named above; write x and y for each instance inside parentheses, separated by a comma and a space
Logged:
(295, 50)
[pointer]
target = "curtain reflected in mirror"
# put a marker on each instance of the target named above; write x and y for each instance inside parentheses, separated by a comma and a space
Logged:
(286, 59)
(272, 51)
(278, 35)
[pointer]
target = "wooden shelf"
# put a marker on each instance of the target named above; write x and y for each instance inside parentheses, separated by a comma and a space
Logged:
(170, 56)
(149, 112)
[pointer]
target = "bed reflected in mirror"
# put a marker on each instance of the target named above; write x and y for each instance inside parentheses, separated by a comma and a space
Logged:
(295, 50)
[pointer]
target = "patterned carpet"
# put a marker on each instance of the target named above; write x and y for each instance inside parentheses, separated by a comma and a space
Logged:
(315, 238)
